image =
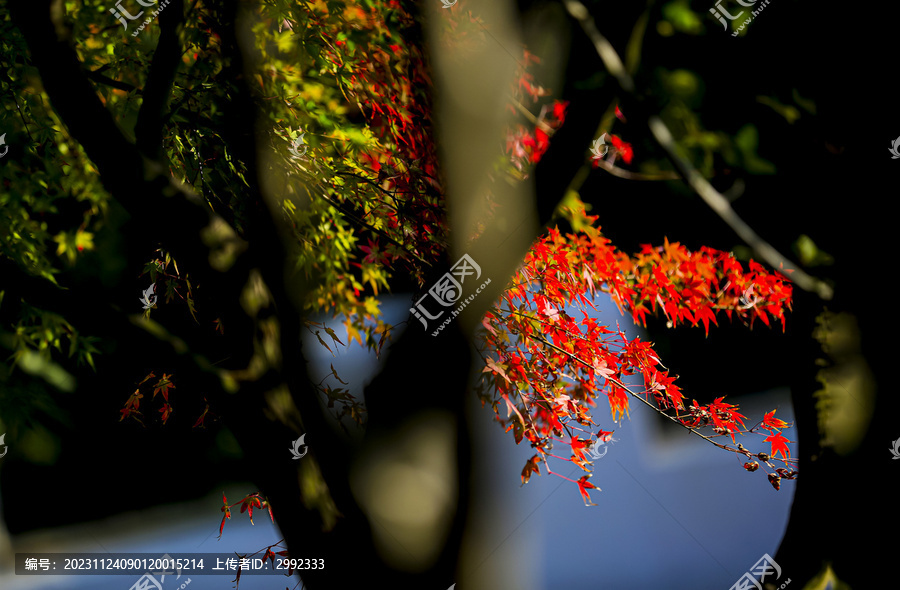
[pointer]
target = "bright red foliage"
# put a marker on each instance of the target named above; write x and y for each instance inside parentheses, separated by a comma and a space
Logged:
(548, 360)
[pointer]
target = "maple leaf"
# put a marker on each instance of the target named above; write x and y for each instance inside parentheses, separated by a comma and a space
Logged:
(333, 336)
(559, 110)
(771, 423)
(531, 466)
(248, 503)
(604, 435)
(583, 486)
(322, 342)
(147, 378)
(551, 312)
(624, 148)
(166, 411)
(778, 444)
(494, 367)
(202, 417)
(163, 386)
(227, 510)
(600, 367)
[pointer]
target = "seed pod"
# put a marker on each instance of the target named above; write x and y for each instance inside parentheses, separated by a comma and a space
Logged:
(775, 481)
(751, 466)
(763, 457)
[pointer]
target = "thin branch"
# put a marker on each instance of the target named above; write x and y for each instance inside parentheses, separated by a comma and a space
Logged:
(96, 76)
(637, 396)
(530, 116)
(621, 173)
(695, 180)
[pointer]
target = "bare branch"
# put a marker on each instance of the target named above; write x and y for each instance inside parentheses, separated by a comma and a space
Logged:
(700, 185)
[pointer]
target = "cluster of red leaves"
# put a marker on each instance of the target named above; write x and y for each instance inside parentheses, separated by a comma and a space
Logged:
(247, 504)
(619, 148)
(548, 367)
(134, 400)
(526, 145)
(622, 148)
(390, 83)
(162, 386)
(268, 555)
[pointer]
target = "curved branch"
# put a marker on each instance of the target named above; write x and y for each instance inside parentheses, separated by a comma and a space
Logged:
(659, 411)
(698, 184)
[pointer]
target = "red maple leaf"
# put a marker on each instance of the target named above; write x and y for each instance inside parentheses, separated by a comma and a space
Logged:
(227, 510)
(163, 386)
(778, 444)
(166, 410)
(559, 110)
(771, 423)
(583, 486)
(623, 148)
(248, 503)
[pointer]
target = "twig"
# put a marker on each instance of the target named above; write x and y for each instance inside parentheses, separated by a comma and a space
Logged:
(621, 173)
(700, 185)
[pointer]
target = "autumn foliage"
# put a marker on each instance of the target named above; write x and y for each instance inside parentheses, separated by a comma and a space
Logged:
(548, 361)
(377, 211)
